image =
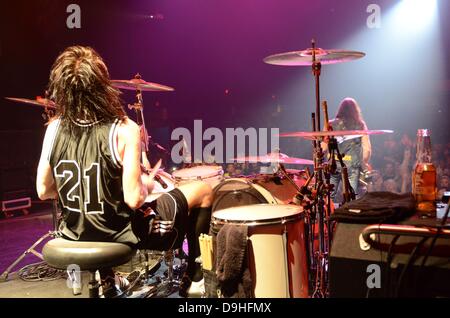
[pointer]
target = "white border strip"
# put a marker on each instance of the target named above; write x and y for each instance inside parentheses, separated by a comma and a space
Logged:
(54, 131)
(113, 143)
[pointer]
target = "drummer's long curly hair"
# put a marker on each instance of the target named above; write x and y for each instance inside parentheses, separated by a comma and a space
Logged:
(81, 88)
(350, 113)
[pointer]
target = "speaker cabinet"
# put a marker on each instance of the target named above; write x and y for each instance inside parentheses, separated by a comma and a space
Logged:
(350, 270)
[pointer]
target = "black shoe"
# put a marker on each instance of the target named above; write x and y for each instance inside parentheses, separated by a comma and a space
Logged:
(184, 286)
(115, 287)
(190, 289)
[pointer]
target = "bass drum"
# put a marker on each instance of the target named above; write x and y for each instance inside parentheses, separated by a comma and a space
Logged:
(257, 189)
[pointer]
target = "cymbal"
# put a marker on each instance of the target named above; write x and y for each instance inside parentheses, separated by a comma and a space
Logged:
(305, 57)
(138, 83)
(39, 101)
(275, 158)
(320, 134)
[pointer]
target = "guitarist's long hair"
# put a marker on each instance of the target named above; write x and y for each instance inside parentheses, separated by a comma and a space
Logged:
(350, 113)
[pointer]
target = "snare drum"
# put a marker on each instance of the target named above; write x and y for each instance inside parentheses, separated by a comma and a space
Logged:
(210, 174)
(276, 247)
(256, 189)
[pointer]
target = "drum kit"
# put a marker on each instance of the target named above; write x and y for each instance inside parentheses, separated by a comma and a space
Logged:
(287, 211)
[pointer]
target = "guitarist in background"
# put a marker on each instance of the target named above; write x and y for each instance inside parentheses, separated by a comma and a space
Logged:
(356, 151)
(91, 162)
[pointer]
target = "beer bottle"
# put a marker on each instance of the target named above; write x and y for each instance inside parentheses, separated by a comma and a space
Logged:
(424, 176)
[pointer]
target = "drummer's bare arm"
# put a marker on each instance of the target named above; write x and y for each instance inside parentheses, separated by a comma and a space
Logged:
(45, 183)
(144, 142)
(136, 185)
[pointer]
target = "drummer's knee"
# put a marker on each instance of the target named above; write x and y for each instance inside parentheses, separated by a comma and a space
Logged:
(207, 195)
(197, 193)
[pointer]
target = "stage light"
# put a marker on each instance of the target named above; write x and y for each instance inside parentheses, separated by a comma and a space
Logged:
(415, 15)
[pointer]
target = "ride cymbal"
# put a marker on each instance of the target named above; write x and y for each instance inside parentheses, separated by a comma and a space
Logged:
(305, 57)
(275, 158)
(335, 133)
(139, 84)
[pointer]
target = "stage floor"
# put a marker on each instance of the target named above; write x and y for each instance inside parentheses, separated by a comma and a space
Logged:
(19, 233)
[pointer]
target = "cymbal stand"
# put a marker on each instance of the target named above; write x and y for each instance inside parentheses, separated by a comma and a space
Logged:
(147, 140)
(320, 194)
(138, 107)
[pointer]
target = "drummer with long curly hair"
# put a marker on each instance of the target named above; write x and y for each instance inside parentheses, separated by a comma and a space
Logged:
(91, 162)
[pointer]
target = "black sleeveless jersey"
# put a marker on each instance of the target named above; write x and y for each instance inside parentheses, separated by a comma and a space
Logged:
(88, 175)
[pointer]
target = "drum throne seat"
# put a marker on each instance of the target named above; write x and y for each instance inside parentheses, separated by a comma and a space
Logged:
(88, 256)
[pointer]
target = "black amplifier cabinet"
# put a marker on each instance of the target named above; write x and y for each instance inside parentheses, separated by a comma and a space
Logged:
(353, 266)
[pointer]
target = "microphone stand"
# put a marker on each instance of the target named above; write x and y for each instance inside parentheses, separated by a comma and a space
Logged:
(348, 193)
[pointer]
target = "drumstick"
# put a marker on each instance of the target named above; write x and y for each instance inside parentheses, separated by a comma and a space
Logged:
(210, 252)
(201, 241)
(207, 258)
(154, 174)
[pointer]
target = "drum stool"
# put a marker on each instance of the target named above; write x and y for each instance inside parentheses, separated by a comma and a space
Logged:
(89, 256)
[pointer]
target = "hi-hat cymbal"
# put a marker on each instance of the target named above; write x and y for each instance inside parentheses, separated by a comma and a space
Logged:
(320, 134)
(275, 158)
(39, 101)
(305, 57)
(140, 84)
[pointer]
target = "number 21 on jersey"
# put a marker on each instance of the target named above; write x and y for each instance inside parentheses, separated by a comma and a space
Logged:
(70, 188)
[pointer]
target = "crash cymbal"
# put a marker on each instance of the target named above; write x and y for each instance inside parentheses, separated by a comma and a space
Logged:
(276, 158)
(305, 57)
(39, 101)
(341, 133)
(139, 83)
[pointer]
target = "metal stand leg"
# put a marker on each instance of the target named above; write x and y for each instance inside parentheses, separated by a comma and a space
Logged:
(93, 285)
(4, 276)
(167, 285)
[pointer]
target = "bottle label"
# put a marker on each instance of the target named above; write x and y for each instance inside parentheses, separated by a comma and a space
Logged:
(424, 186)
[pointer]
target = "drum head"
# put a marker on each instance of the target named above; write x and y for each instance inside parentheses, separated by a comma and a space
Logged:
(258, 213)
(199, 172)
(236, 192)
